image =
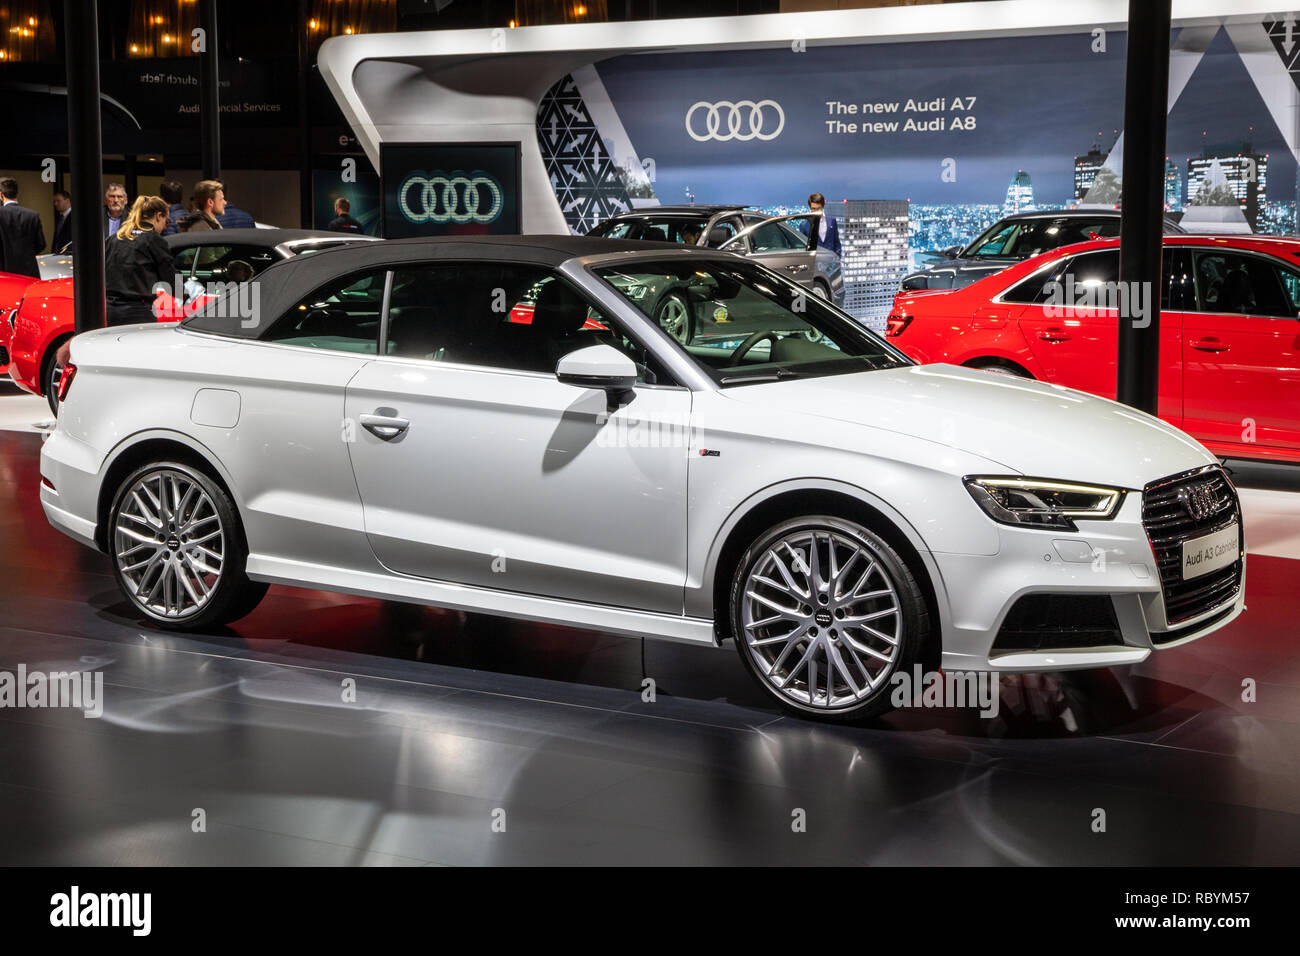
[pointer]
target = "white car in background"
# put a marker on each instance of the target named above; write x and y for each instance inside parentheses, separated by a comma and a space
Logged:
(496, 425)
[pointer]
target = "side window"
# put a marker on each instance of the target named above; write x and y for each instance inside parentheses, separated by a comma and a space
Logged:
(1093, 268)
(723, 230)
(1076, 273)
(620, 230)
(1179, 291)
(499, 315)
(1291, 286)
(1234, 284)
(773, 237)
(184, 260)
(341, 317)
(230, 263)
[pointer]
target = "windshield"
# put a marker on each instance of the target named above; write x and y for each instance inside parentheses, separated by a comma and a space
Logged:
(741, 323)
(1022, 238)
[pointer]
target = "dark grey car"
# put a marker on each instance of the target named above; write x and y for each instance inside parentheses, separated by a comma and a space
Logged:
(1014, 239)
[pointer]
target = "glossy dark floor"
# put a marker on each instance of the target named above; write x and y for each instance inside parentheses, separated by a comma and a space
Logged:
(462, 726)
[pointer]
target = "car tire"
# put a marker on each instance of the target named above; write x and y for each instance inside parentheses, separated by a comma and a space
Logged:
(673, 315)
(47, 379)
(788, 627)
(158, 510)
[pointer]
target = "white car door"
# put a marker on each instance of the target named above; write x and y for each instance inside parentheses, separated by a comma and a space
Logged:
(476, 466)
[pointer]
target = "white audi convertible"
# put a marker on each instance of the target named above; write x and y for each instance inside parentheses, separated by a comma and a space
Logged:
(498, 425)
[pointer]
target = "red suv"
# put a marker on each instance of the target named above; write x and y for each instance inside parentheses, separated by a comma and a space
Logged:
(1229, 332)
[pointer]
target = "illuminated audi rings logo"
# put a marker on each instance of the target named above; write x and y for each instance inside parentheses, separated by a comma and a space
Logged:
(743, 120)
(455, 198)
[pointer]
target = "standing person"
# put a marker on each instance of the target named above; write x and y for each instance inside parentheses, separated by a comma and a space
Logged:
(173, 194)
(62, 221)
(828, 234)
(209, 202)
(343, 221)
(136, 259)
(21, 237)
(114, 208)
(234, 217)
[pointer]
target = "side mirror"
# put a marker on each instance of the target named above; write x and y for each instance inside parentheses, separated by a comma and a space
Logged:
(600, 366)
(953, 251)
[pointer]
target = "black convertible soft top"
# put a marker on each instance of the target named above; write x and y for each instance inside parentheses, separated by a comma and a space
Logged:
(288, 282)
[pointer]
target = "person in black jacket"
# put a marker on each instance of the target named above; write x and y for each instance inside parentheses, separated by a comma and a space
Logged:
(343, 220)
(62, 221)
(136, 259)
(22, 238)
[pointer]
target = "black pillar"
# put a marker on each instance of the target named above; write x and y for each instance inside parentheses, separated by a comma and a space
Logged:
(209, 93)
(81, 48)
(305, 209)
(1146, 99)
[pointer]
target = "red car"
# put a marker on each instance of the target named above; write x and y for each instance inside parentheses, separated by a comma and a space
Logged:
(12, 288)
(44, 319)
(1229, 332)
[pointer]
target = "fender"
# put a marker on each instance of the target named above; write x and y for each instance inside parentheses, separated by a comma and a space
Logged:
(699, 600)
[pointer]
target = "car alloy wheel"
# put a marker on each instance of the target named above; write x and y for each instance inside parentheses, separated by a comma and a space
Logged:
(169, 543)
(825, 612)
(674, 317)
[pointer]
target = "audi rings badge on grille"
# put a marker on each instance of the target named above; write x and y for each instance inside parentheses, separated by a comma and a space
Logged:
(743, 120)
(474, 198)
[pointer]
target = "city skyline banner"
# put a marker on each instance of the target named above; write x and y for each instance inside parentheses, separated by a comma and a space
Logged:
(944, 123)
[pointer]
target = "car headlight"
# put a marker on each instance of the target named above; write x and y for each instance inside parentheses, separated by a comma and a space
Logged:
(1034, 503)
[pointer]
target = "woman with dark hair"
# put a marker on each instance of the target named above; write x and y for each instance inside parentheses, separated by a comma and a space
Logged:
(136, 259)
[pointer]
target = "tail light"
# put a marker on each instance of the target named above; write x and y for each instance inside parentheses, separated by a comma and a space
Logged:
(896, 323)
(65, 381)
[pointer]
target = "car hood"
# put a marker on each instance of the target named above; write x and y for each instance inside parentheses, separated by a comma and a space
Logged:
(1020, 426)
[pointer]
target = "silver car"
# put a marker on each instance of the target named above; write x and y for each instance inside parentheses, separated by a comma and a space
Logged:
(775, 241)
(496, 424)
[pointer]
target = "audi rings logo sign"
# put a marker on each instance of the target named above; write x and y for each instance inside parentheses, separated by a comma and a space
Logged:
(743, 120)
(458, 198)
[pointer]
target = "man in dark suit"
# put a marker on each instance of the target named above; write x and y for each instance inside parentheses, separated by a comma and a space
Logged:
(828, 235)
(62, 221)
(115, 208)
(21, 237)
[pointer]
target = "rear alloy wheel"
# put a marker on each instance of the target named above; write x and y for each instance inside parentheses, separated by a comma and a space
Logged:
(673, 315)
(178, 550)
(47, 382)
(824, 613)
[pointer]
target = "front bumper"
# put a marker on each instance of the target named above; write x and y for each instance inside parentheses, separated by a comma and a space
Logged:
(1111, 560)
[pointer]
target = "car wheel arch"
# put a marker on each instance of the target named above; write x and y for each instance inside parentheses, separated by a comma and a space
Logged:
(1000, 362)
(792, 500)
(48, 355)
(157, 445)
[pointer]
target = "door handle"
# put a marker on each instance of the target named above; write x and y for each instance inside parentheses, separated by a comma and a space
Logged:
(1054, 335)
(1210, 344)
(384, 426)
(798, 267)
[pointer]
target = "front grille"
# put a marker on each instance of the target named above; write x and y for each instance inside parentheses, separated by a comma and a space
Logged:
(1038, 622)
(1169, 521)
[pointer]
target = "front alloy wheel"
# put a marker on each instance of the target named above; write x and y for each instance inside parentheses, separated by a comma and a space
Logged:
(824, 613)
(177, 549)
